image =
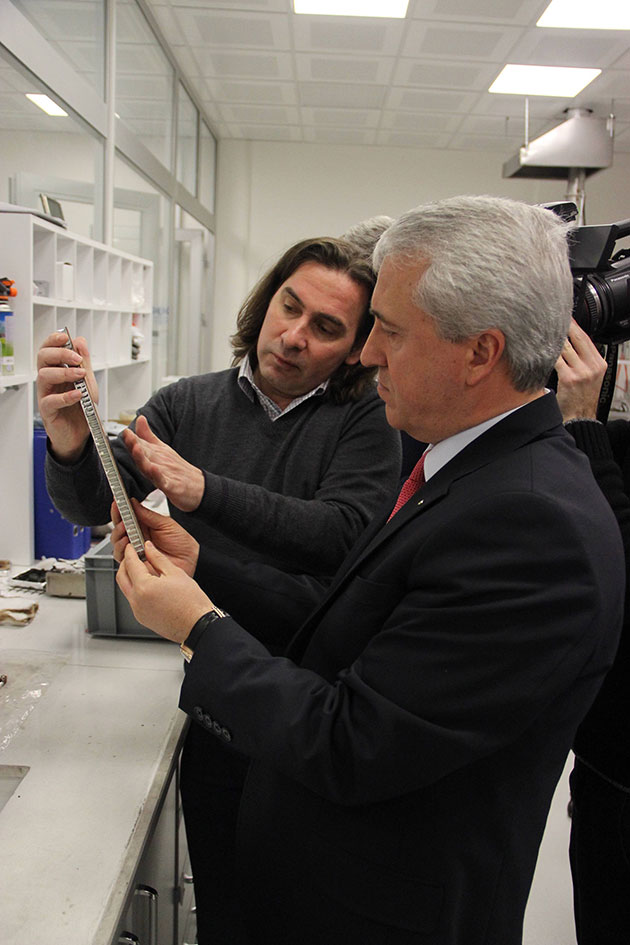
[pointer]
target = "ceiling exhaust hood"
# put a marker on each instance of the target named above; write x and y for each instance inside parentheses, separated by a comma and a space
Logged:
(582, 141)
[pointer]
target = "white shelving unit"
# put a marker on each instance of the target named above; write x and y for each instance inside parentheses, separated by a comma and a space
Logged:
(98, 292)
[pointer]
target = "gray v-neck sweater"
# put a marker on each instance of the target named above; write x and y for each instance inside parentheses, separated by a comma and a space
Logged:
(295, 492)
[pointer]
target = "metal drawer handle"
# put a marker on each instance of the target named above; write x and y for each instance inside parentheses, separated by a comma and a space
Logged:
(149, 893)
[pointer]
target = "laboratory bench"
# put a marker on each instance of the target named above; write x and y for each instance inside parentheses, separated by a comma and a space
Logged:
(90, 822)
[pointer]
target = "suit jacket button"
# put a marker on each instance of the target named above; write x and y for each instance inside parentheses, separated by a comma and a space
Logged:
(226, 734)
(198, 713)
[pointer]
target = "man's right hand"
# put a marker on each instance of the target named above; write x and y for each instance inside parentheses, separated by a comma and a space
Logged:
(166, 534)
(581, 370)
(57, 397)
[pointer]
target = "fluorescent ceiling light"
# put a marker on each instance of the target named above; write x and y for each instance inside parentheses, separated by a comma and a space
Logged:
(586, 15)
(46, 104)
(558, 81)
(396, 9)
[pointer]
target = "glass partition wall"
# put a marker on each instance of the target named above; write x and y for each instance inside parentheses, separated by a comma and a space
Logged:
(123, 146)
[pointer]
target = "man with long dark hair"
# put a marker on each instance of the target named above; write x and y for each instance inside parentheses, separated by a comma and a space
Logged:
(281, 459)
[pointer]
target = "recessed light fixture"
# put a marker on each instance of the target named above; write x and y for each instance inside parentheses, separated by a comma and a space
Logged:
(586, 15)
(396, 9)
(557, 81)
(46, 104)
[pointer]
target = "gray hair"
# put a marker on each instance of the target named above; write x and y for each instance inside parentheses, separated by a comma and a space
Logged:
(365, 234)
(492, 263)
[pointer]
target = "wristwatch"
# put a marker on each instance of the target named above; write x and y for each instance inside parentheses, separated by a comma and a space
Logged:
(187, 648)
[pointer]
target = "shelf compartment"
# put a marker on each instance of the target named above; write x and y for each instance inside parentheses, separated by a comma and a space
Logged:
(44, 258)
(99, 296)
(45, 321)
(99, 336)
(114, 283)
(85, 274)
(129, 389)
(16, 473)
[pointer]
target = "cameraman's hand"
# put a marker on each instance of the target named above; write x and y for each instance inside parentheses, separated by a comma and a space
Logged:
(167, 536)
(181, 483)
(57, 397)
(580, 370)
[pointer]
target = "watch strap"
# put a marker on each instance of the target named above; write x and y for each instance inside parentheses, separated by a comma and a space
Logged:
(188, 646)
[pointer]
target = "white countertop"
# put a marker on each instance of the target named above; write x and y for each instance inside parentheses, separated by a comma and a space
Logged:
(96, 721)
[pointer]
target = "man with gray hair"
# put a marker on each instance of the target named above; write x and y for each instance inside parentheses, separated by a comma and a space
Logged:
(365, 234)
(406, 749)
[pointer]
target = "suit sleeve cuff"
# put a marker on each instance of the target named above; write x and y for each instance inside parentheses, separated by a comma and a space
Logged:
(198, 630)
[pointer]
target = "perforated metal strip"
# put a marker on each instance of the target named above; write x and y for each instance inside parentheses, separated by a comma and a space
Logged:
(104, 450)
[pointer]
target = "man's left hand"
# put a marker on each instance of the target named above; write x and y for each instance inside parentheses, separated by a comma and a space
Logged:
(182, 483)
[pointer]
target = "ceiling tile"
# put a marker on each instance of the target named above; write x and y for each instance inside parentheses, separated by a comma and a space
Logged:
(428, 122)
(260, 114)
(503, 11)
(266, 93)
(346, 117)
(350, 136)
(223, 29)
(444, 41)
(269, 132)
(347, 34)
(446, 75)
(344, 68)
(554, 47)
(429, 100)
(271, 6)
(169, 23)
(248, 65)
(347, 95)
(612, 84)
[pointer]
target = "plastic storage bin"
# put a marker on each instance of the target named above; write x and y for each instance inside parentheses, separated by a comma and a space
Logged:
(55, 537)
(108, 612)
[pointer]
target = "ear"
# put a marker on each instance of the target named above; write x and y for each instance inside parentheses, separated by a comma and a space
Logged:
(484, 353)
(354, 356)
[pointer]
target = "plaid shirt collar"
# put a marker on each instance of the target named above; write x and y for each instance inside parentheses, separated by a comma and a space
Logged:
(274, 412)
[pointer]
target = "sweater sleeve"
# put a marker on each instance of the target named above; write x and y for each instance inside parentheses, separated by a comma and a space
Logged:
(313, 535)
(80, 491)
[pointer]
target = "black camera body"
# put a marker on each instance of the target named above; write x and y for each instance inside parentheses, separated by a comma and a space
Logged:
(601, 295)
(601, 280)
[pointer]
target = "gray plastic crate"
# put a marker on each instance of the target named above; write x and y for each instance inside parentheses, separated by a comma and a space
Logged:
(108, 613)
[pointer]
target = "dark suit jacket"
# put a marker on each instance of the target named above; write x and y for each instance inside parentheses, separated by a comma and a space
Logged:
(406, 751)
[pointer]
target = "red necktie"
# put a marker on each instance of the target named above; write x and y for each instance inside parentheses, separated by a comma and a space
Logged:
(411, 486)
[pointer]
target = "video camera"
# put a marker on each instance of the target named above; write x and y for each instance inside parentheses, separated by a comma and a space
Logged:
(601, 281)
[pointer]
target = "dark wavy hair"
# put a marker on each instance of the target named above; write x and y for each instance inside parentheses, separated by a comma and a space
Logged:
(349, 381)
